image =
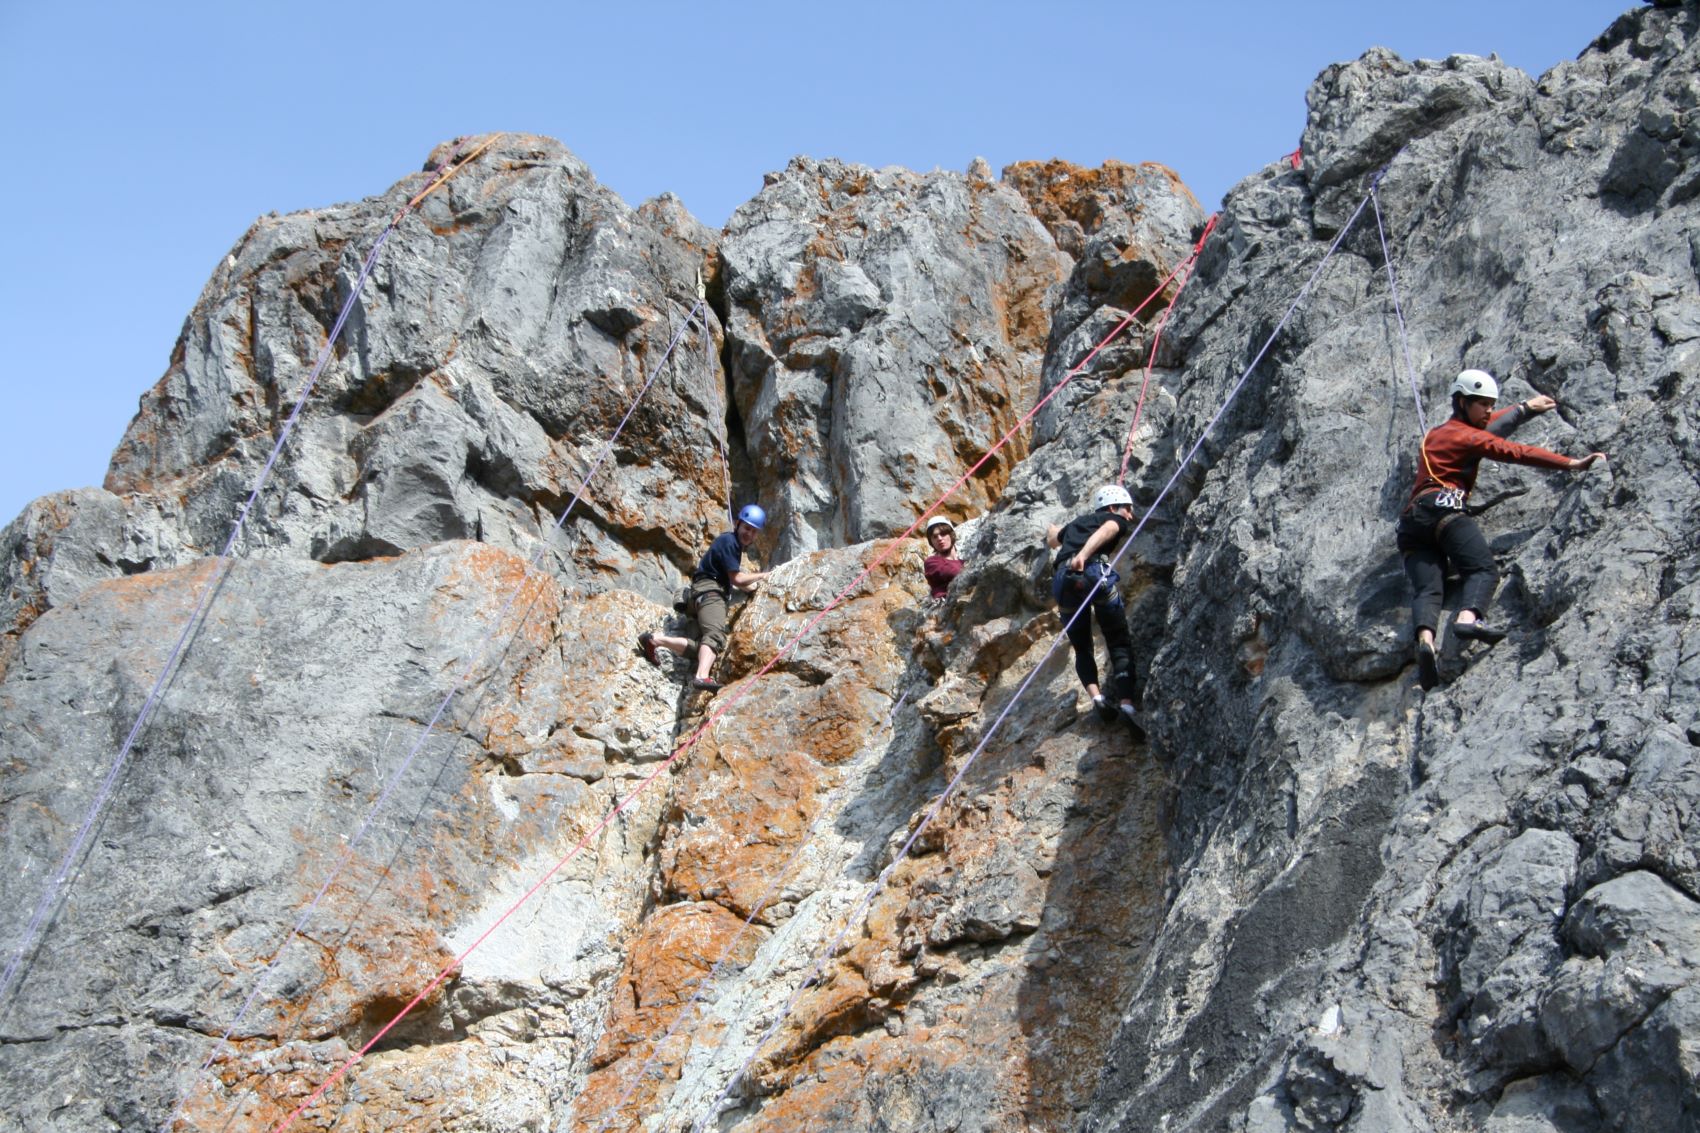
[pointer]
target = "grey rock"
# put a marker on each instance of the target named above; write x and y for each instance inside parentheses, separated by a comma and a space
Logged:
(1315, 899)
(508, 324)
(1638, 942)
(1648, 1080)
(1549, 1104)
(1568, 740)
(884, 329)
(64, 542)
(1507, 941)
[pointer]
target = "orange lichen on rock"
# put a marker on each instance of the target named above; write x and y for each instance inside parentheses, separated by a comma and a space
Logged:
(1073, 201)
(1017, 948)
(748, 811)
(671, 957)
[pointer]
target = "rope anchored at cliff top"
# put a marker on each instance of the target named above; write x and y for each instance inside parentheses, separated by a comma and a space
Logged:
(740, 690)
(1156, 340)
(209, 588)
(1393, 290)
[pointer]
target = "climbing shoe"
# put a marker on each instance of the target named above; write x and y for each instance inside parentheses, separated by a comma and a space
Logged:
(1135, 725)
(706, 684)
(1428, 666)
(1106, 710)
(647, 646)
(1479, 631)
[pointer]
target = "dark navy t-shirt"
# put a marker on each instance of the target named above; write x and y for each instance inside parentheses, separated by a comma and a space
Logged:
(724, 558)
(1080, 529)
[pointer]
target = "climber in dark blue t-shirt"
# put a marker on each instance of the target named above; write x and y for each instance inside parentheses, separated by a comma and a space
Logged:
(718, 573)
(1083, 548)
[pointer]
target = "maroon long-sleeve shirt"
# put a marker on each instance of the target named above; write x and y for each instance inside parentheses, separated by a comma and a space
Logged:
(939, 571)
(1451, 453)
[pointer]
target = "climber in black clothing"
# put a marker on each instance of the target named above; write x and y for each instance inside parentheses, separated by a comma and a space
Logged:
(1084, 547)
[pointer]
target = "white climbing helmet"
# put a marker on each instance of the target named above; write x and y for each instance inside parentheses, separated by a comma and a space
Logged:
(1111, 495)
(939, 521)
(1476, 383)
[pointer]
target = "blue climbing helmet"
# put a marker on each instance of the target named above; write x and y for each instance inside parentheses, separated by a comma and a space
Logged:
(752, 515)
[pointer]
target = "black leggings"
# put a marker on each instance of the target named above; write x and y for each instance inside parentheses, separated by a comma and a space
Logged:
(1112, 622)
(1430, 538)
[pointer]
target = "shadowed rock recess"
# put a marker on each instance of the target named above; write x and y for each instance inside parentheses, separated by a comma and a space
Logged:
(1315, 900)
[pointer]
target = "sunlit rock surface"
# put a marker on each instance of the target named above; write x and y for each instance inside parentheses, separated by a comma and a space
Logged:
(1315, 899)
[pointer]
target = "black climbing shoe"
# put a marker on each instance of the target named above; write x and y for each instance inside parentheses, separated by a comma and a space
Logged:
(1428, 667)
(1135, 725)
(1478, 631)
(647, 646)
(706, 684)
(1106, 710)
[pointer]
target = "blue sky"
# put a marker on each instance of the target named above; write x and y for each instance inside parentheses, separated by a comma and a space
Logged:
(143, 139)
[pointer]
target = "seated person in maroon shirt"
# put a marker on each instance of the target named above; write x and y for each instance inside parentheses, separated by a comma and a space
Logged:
(942, 565)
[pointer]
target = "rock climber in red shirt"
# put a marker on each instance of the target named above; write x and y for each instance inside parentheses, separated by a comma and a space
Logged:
(1436, 528)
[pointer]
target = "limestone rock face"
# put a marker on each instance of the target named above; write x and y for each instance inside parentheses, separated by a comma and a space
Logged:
(221, 836)
(884, 329)
(508, 324)
(897, 875)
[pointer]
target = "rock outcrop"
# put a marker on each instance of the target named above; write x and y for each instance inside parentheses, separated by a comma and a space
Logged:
(1315, 899)
(884, 329)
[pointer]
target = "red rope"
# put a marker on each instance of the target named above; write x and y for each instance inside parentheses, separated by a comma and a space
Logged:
(738, 694)
(1156, 338)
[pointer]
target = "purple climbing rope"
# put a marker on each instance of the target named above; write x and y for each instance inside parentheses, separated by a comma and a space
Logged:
(220, 565)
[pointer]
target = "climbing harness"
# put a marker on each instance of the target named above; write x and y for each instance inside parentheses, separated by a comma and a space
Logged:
(210, 587)
(1157, 338)
(480, 652)
(723, 706)
(825, 954)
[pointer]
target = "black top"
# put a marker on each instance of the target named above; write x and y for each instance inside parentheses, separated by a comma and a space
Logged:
(723, 559)
(1080, 529)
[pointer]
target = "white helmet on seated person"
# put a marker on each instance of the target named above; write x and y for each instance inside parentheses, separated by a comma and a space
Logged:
(1111, 495)
(1476, 383)
(939, 521)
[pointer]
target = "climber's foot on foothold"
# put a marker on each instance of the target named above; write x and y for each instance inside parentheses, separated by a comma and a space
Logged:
(1428, 666)
(1135, 724)
(1479, 631)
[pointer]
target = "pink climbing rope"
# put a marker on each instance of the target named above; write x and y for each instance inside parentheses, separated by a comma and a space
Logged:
(1156, 340)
